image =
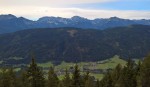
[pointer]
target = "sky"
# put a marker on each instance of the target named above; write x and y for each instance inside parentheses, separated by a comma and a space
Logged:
(91, 9)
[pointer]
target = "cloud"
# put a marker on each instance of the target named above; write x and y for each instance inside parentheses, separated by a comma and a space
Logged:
(48, 3)
(36, 12)
(34, 9)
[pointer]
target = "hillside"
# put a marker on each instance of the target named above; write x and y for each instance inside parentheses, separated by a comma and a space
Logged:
(10, 23)
(71, 44)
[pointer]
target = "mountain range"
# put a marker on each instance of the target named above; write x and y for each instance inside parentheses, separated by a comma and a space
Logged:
(10, 23)
(74, 44)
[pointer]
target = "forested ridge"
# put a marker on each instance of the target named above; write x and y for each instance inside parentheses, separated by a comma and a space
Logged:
(130, 75)
(71, 44)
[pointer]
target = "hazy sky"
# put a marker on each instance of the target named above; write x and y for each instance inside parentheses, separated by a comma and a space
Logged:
(33, 9)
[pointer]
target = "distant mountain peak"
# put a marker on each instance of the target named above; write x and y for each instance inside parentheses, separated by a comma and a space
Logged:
(49, 18)
(22, 18)
(44, 18)
(7, 17)
(78, 18)
(114, 18)
(11, 23)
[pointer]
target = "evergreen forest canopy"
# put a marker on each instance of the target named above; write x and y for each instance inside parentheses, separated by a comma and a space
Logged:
(128, 76)
(72, 44)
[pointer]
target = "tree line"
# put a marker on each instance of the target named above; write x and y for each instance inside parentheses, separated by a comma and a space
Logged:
(130, 75)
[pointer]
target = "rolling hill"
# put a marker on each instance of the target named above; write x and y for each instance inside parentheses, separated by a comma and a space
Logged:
(73, 44)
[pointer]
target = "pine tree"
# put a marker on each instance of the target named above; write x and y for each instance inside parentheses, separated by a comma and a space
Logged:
(76, 80)
(138, 75)
(53, 80)
(4, 79)
(8, 78)
(86, 76)
(97, 84)
(67, 79)
(116, 75)
(89, 83)
(12, 78)
(87, 80)
(24, 82)
(107, 80)
(128, 76)
(35, 75)
(61, 84)
(146, 72)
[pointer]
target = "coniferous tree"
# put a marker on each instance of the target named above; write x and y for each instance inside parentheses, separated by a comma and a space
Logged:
(116, 75)
(4, 80)
(35, 75)
(76, 80)
(67, 79)
(8, 78)
(61, 84)
(89, 83)
(128, 76)
(24, 82)
(87, 80)
(97, 84)
(107, 80)
(12, 78)
(53, 80)
(146, 72)
(138, 74)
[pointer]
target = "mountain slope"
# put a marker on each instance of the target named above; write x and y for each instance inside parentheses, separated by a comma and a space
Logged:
(10, 23)
(70, 44)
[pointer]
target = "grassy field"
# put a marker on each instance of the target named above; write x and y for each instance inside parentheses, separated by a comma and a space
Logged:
(104, 64)
(110, 63)
(47, 64)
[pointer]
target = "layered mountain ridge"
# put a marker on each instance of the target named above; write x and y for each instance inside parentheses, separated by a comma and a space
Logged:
(10, 23)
